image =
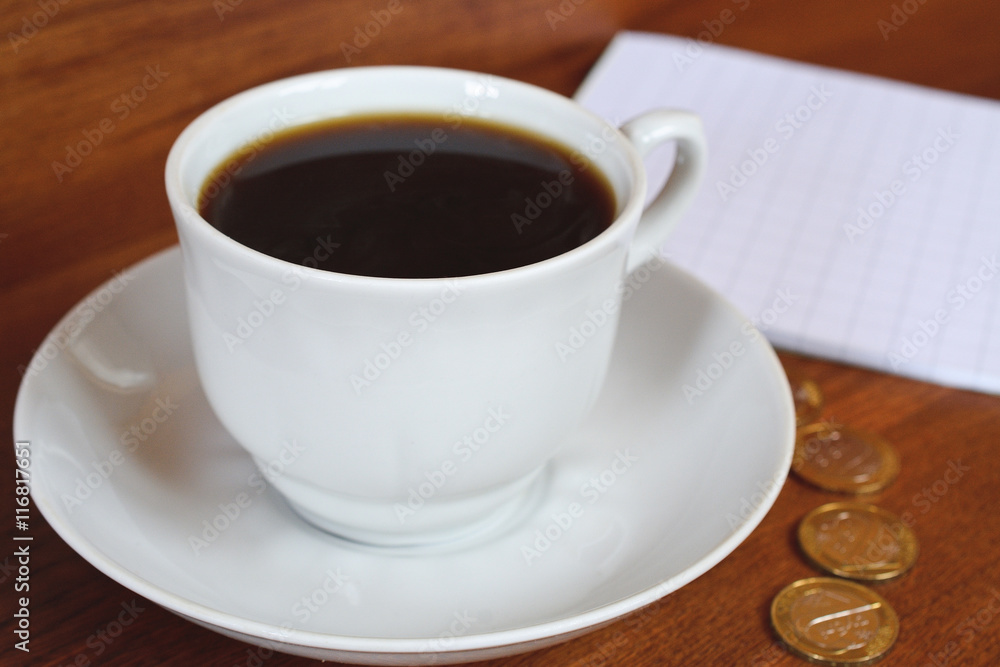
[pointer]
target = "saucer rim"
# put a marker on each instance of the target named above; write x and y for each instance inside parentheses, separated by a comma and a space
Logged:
(512, 639)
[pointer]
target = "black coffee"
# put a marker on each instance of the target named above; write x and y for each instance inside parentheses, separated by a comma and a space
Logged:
(408, 197)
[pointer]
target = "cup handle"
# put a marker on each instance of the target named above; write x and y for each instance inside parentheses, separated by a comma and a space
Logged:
(646, 132)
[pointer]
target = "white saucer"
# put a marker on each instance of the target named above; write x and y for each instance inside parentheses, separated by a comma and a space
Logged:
(651, 493)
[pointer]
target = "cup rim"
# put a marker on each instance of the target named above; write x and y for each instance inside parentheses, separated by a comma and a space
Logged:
(187, 215)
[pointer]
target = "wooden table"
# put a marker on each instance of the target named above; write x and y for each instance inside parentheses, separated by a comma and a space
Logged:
(128, 76)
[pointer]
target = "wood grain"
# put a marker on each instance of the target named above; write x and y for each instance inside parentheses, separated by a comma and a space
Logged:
(63, 234)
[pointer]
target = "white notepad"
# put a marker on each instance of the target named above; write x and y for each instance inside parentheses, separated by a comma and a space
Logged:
(851, 217)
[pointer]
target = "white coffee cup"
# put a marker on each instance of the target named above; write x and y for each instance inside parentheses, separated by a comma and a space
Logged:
(413, 411)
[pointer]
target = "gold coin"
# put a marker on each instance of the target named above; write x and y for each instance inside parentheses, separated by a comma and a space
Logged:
(834, 622)
(836, 458)
(858, 541)
(807, 397)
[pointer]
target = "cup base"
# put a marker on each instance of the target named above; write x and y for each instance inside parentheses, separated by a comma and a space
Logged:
(506, 507)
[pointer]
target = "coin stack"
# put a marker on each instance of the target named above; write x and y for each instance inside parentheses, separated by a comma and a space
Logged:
(829, 620)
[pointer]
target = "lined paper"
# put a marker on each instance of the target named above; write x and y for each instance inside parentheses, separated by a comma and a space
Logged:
(850, 217)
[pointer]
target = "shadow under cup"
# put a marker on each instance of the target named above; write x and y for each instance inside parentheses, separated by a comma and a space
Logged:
(400, 411)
